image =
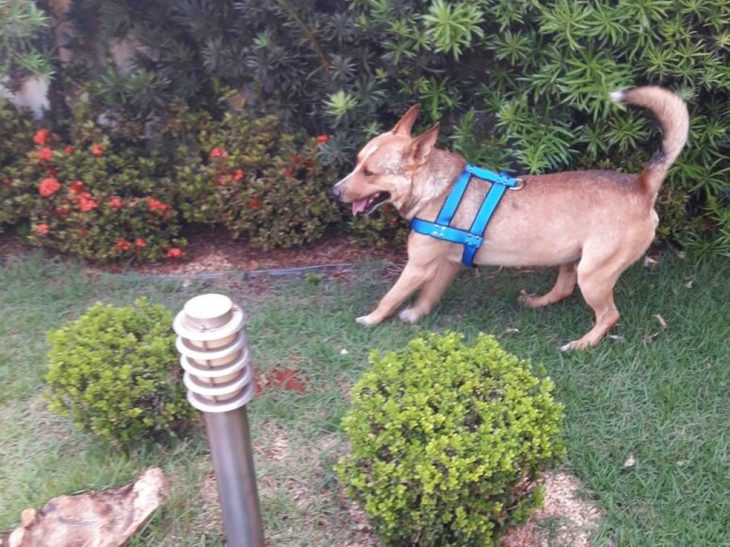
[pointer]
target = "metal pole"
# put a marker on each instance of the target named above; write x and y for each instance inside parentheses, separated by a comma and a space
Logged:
(218, 374)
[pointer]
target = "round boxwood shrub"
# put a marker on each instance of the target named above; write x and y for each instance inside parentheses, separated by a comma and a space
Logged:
(114, 372)
(448, 440)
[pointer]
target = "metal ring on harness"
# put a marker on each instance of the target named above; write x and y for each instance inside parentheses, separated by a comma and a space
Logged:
(521, 183)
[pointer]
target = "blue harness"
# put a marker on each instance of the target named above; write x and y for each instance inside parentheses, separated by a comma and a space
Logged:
(472, 239)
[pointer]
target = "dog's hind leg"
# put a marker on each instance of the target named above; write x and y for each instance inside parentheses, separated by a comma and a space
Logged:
(598, 271)
(431, 292)
(596, 279)
(563, 288)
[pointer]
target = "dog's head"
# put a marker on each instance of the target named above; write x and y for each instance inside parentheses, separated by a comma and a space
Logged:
(386, 167)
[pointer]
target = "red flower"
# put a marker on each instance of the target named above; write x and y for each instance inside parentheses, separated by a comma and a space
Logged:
(45, 154)
(62, 212)
(115, 202)
(323, 139)
(254, 202)
(48, 187)
(97, 150)
(68, 150)
(122, 245)
(139, 243)
(7, 181)
(155, 205)
(238, 175)
(220, 180)
(174, 252)
(41, 137)
(86, 203)
(287, 171)
(76, 187)
(42, 229)
(218, 152)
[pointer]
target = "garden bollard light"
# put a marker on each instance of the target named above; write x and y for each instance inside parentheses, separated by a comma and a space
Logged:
(219, 377)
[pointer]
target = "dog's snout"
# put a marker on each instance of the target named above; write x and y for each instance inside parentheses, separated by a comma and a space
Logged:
(336, 191)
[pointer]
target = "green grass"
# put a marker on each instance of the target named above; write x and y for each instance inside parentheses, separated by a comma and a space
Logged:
(662, 399)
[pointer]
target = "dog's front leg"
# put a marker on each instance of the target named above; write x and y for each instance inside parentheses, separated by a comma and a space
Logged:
(431, 292)
(412, 278)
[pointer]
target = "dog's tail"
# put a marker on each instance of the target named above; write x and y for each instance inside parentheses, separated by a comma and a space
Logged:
(671, 111)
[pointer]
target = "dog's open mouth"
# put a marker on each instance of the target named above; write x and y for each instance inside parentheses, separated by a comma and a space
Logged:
(368, 204)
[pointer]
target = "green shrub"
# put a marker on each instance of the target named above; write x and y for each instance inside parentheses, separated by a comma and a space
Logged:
(447, 441)
(385, 227)
(114, 372)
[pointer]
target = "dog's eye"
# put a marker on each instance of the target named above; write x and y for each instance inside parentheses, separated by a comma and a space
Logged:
(367, 173)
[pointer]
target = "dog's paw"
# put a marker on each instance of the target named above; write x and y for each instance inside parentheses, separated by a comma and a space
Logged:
(525, 297)
(531, 300)
(366, 321)
(570, 346)
(575, 345)
(409, 315)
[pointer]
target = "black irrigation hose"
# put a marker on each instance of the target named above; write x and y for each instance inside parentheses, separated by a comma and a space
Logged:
(276, 272)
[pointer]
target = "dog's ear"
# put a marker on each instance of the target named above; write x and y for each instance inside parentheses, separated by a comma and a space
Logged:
(422, 146)
(405, 124)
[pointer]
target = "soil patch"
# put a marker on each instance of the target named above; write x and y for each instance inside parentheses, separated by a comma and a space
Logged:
(566, 518)
(213, 250)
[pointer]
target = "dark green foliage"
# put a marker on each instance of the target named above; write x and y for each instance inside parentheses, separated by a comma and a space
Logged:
(448, 441)
(114, 372)
(18, 126)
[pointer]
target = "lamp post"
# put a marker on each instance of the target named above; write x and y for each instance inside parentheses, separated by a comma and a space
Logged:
(218, 375)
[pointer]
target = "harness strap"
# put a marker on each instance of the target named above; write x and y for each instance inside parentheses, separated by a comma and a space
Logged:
(484, 215)
(451, 204)
(447, 233)
(474, 237)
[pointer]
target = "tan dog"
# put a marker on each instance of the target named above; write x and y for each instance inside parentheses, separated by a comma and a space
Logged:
(592, 224)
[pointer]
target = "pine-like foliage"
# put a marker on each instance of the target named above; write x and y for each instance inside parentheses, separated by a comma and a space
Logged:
(523, 85)
(517, 85)
(21, 54)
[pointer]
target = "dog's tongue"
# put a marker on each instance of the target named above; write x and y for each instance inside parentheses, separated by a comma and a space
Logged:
(359, 206)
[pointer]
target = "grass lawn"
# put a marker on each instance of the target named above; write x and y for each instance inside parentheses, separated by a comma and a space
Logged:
(657, 395)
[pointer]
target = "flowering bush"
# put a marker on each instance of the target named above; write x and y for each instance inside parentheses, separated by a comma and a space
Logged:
(258, 181)
(84, 200)
(87, 198)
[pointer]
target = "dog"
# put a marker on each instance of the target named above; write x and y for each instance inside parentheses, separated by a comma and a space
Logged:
(591, 224)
